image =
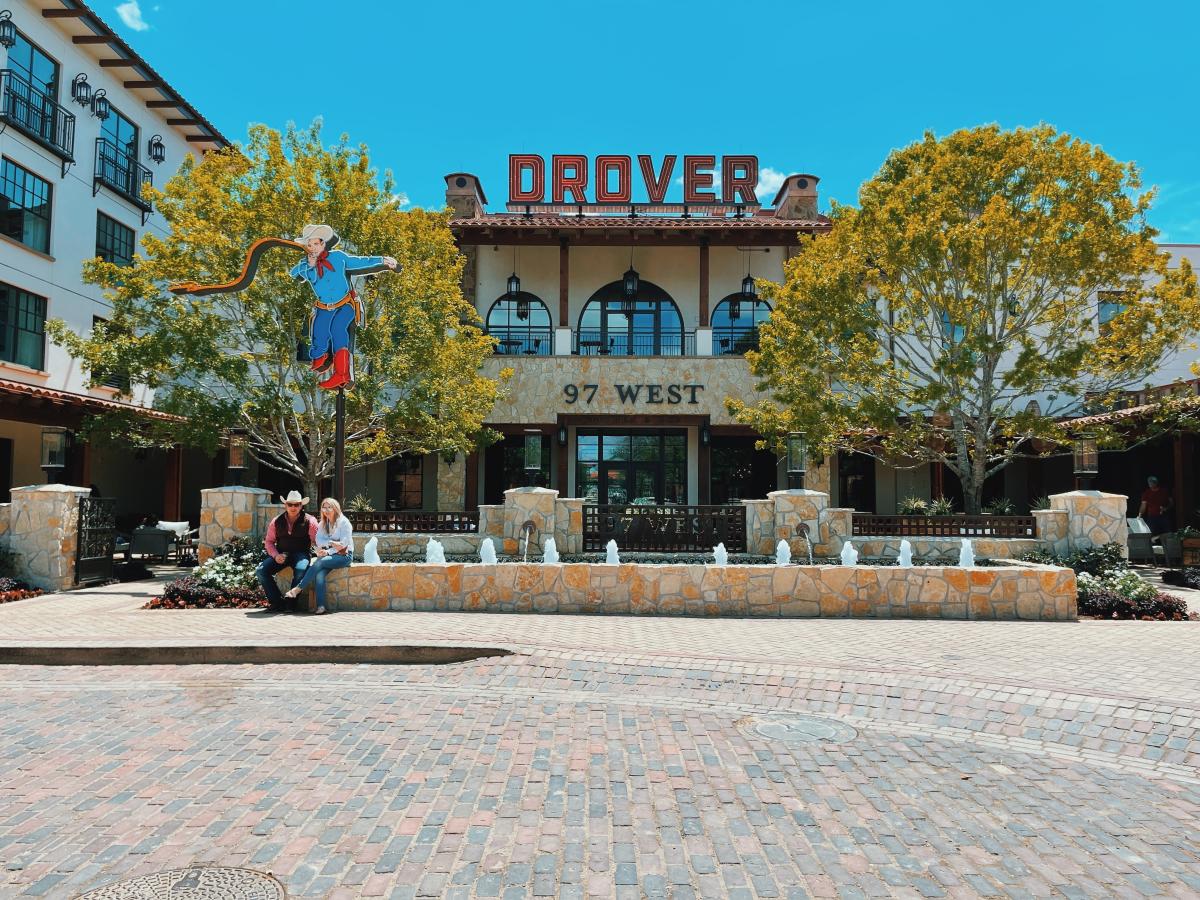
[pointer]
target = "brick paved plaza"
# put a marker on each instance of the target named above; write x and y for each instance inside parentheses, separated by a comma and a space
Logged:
(608, 757)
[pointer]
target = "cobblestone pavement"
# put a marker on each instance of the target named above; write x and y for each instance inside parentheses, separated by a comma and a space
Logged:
(610, 757)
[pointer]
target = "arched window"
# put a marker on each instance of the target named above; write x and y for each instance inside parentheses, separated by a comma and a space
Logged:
(648, 324)
(735, 324)
(521, 324)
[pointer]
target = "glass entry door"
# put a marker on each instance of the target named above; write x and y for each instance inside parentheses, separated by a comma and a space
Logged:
(631, 466)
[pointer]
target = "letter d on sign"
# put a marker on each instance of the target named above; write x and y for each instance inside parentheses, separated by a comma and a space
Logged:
(518, 165)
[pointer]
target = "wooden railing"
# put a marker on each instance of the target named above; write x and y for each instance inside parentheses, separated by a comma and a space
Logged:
(666, 528)
(410, 522)
(865, 524)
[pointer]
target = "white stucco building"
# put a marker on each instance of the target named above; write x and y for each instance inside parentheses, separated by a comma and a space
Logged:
(86, 123)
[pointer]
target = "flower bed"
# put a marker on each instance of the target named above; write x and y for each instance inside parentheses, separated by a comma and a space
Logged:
(227, 581)
(1109, 589)
(12, 589)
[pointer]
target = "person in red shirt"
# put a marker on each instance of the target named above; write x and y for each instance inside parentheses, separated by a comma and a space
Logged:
(290, 536)
(1155, 504)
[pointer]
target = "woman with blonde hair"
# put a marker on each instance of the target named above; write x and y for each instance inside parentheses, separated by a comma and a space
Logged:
(335, 550)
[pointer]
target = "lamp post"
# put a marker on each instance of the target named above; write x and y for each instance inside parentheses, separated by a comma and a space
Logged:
(54, 451)
(533, 456)
(1085, 453)
(797, 459)
(237, 456)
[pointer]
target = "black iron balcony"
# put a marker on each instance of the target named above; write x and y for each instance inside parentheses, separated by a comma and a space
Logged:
(120, 172)
(36, 115)
(734, 341)
(636, 342)
(516, 341)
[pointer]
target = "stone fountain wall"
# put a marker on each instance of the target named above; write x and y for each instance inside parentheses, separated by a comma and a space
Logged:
(1026, 591)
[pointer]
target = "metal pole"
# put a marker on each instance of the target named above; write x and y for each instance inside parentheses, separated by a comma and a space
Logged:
(339, 448)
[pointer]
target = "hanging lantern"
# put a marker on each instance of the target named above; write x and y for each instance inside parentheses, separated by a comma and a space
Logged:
(100, 105)
(735, 308)
(157, 149)
(8, 31)
(523, 307)
(514, 285)
(81, 91)
(749, 290)
(630, 283)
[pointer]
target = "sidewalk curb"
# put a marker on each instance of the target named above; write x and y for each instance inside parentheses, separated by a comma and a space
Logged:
(241, 654)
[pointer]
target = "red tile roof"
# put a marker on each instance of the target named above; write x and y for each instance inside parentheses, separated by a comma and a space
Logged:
(19, 389)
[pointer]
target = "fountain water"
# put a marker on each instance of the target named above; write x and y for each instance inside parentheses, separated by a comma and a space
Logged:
(527, 528)
(611, 557)
(487, 552)
(720, 555)
(906, 554)
(371, 551)
(435, 552)
(783, 554)
(849, 554)
(802, 530)
(966, 554)
(550, 551)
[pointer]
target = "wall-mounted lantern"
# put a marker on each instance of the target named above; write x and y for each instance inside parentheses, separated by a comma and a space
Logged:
(797, 459)
(81, 91)
(533, 456)
(1085, 453)
(100, 105)
(8, 31)
(705, 435)
(237, 455)
(54, 451)
(157, 149)
(562, 435)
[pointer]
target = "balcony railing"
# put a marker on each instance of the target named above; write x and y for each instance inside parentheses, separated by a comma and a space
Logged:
(729, 341)
(594, 342)
(523, 341)
(120, 172)
(37, 115)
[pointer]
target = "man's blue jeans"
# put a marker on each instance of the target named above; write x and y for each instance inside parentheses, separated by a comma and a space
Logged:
(321, 567)
(268, 569)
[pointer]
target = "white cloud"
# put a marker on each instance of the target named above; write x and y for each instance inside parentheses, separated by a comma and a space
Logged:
(131, 15)
(769, 182)
(400, 199)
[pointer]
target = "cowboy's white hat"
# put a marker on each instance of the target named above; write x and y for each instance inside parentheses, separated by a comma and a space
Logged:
(324, 232)
(294, 497)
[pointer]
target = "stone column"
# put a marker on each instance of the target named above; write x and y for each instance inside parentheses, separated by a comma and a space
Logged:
(491, 521)
(1094, 518)
(533, 504)
(837, 525)
(568, 524)
(227, 513)
(1052, 534)
(760, 526)
(44, 533)
(792, 508)
(817, 478)
(451, 483)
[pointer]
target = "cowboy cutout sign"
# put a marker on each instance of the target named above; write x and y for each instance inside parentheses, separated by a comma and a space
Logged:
(337, 308)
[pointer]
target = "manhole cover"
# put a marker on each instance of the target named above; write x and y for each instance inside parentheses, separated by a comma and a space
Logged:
(806, 729)
(194, 883)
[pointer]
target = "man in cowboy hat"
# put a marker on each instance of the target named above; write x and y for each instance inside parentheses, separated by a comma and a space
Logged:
(336, 306)
(290, 536)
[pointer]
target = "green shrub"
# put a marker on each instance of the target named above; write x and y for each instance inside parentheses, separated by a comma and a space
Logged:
(361, 503)
(1000, 506)
(1042, 502)
(232, 565)
(913, 506)
(942, 506)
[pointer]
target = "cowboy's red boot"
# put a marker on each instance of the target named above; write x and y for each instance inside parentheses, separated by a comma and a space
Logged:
(320, 362)
(341, 371)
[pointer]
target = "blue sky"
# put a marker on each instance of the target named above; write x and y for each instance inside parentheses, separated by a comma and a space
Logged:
(827, 89)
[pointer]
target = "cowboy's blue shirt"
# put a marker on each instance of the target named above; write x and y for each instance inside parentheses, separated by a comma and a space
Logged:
(333, 286)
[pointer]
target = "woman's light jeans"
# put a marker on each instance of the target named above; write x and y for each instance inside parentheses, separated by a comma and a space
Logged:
(318, 569)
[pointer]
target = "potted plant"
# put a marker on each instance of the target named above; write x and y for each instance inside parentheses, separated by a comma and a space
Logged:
(941, 506)
(1189, 542)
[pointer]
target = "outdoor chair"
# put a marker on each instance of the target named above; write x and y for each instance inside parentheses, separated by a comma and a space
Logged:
(152, 542)
(185, 535)
(1172, 551)
(1140, 548)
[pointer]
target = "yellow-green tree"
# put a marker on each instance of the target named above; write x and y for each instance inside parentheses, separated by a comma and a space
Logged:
(230, 360)
(964, 285)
